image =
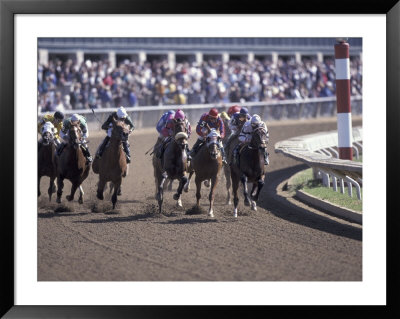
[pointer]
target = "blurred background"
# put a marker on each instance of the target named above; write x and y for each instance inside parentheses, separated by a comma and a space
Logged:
(278, 78)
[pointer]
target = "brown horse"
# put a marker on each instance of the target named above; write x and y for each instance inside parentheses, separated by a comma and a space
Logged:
(112, 166)
(206, 164)
(46, 165)
(251, 169)
(71, 165)
(173, 164)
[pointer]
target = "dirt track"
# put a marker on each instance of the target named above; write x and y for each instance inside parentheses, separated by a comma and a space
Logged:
(283, 241)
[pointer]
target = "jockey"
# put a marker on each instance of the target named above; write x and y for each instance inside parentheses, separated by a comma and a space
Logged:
(75, 119)
(121, 115)
(207, 122)
(236, 123)
(168, 130)
(246, 133)
(57, 121)
(162, 122)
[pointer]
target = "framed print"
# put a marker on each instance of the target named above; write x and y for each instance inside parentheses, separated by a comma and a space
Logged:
(125, 283)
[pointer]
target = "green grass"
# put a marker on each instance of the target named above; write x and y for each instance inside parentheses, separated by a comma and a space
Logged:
(304, 181)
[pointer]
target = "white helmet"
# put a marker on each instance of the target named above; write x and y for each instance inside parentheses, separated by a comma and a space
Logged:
(255, 120)
(75, 117)
(121, 112)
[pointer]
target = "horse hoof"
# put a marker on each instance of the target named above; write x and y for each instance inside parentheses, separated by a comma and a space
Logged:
(254, 206)
(176, 196)
(229, 202)
(100, 196)
(58, 200)
(211, 214)
(235, 214)
(69, 198)
(80, 201)
(179, 203)
(246, 203)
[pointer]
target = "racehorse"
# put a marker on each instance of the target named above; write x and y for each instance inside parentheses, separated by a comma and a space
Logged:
(227, 170)
(206, 164)
(46, 165)
(71, 165)
(112, 166)
(250, 169)
(173, 164)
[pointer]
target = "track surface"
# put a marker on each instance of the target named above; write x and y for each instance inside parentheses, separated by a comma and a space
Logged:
(283, 241)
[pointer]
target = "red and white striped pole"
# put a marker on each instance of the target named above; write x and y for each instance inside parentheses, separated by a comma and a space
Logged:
(342, 63)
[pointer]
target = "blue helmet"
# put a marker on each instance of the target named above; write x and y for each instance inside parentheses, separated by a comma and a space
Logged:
(244, 111)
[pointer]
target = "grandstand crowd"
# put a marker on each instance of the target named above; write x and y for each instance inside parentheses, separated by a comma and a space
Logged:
(64, 85)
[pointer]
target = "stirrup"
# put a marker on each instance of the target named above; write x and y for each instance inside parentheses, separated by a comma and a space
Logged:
(128, 159)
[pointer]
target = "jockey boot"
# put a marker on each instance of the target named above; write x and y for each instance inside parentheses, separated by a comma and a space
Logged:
(86, 153)
(102, 147)
(195, 148)
(127, 151)
(223, 155)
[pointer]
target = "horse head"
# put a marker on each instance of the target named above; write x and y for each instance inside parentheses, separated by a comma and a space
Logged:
(259, 138)
(212, 142)
(179, 126)
(47, 138)
(75, 135)
(120, 130)
(181, 139)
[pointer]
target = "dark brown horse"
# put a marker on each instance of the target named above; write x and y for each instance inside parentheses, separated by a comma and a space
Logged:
(112, 166)
(206, 164)
(251, 169)
(71, 165)
(46, 165)
(172, 165)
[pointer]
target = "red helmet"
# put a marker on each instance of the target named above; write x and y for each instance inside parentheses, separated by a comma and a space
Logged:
(233, 109)
(213, 112)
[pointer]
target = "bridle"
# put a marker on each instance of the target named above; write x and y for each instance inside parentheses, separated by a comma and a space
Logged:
(260, 132)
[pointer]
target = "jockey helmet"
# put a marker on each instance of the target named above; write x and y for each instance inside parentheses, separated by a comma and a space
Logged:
(121, 112)
(213, 113)
(244, 111)
(233, 109)
(75, 117)
(224, 116)
(255, 120)
(59, 115)
(179, 115)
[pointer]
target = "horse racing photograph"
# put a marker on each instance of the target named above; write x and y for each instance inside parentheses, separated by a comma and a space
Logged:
(220, 159)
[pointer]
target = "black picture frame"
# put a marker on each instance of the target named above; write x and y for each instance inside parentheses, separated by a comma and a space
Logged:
(8, 9)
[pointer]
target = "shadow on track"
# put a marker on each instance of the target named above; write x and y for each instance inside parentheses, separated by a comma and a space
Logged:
(279, 206)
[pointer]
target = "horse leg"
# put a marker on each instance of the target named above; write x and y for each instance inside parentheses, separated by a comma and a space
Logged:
(214, 182)
(100, 189)
(178, 194)
(117, 186)
(74, 187)
(260, 184)
(160, 194)
(187, 185)
(170, 185)
(60, 186)
(198, 190)
(52, 188)
(228, 184)
(243, 179)
(38, 185)
(81, 193)
(235, 186)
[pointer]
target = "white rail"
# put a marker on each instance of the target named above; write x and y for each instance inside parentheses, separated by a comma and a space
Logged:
(316, 151)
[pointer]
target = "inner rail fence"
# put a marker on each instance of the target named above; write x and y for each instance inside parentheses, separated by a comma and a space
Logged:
(148, 116)
(320, 152)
